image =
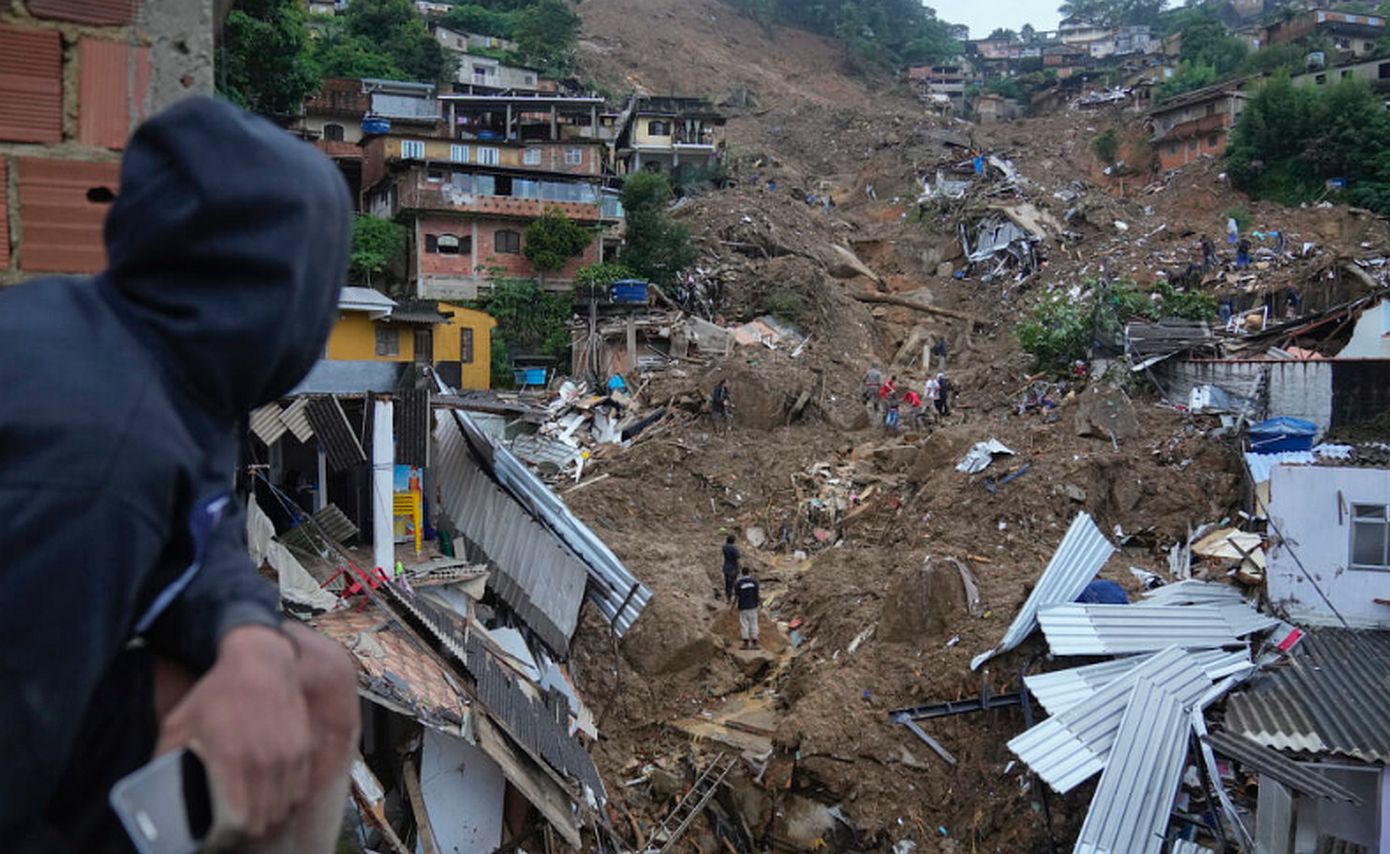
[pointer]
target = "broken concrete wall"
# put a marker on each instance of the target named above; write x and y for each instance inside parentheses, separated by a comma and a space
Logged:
(1261, 389)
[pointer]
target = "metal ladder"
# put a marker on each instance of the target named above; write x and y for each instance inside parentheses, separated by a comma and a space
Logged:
(692, 803)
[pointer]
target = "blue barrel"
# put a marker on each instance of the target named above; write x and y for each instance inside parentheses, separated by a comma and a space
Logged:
(376, 126)
(529, 376)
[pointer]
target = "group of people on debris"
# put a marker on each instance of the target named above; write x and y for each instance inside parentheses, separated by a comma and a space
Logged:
(1243, 246)
(883, 396)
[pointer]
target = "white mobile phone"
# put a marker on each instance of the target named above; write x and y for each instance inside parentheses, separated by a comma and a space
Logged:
(165, 805)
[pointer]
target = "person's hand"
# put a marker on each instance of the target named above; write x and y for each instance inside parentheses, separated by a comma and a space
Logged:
(248, 721)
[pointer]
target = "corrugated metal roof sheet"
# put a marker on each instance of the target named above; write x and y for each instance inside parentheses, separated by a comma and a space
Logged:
(1192, 592)
(413, 427)
(1261, 464)
(61, 226)
(620, 597)
(294, 417)
(1329, 698)
(538, 450)
(266, 423)
(86, 11)
(1061, 690)
(335, 434)
(1300, 778)
(114, 79)
(1076, 629)
(536, 574)
(31, 85)
(1130, 809)
(331, 376)
(1080, 555)
(1067, 749)
(1182, 846)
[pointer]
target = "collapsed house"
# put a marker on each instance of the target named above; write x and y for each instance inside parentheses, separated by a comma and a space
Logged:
(1331, 368)
(474, 733)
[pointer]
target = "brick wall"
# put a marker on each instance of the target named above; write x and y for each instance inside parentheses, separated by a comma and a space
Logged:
(75, 77)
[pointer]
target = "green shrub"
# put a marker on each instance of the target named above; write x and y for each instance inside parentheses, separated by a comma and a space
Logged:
(1056, 333)
(1107, 146)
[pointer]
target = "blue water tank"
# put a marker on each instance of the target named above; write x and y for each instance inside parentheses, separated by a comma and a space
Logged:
(376, 126)
(1282, 434)
(630, 292)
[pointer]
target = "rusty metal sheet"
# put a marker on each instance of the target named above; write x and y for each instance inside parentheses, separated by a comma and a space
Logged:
(86, 11)
(31, 85)
(113, 81)
(61, 225)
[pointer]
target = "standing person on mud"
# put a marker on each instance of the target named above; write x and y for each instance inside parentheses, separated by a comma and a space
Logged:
(731, 559)
(943, 398)
(1209, 259)
(872, 380)
(747, 598)
(932, 392)
(721, 405)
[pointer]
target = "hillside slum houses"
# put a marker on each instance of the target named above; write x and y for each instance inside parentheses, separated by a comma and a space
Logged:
(456, 579)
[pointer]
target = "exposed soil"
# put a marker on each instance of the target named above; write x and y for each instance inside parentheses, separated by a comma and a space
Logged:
(865, 609)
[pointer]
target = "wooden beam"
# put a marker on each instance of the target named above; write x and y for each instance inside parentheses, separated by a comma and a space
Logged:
(885, 299)
(417, 806)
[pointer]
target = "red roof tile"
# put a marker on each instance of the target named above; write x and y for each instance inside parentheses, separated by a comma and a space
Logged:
(4, 214)
(31, 85)
(60, 228)
(105, 89)
(86, 11)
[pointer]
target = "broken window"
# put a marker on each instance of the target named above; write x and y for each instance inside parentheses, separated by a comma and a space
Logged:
(333, 133)
(388, 340)
(1213, 140)
(507, 242)
(1384, 71)
(452, 244)
(1370, 537)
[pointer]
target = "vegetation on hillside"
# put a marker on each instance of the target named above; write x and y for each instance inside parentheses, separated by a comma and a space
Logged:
(378, 252)
(656, 248)
(876, 32)
(1292, 139)
(381, 38)
(263, 63)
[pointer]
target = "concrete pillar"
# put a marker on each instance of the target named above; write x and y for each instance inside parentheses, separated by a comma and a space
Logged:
(632, 346)
(554, 124)
(507, 131)
(321, 494)
(383, 479)
(180, 34)
(1384, 809)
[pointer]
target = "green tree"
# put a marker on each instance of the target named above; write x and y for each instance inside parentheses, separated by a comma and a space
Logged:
(546, 34)
(1106, 146)
(397, 32)
(482, 20)
(530, 320)
(1206, 42)
(1028, 34)
(600, 274)
(338, 53)
(1189, 77)
(1114, 13)
(1002, 34)
(656, 248)
(552, 240)
(378, 250)
(263, 64)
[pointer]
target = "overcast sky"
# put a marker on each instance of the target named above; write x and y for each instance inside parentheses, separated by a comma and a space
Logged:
(984, 15)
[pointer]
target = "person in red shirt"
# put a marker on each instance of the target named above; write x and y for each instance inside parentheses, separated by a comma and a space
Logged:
(912, 400)
(890, 386)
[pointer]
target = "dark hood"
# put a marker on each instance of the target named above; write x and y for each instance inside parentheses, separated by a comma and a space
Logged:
(229, 244)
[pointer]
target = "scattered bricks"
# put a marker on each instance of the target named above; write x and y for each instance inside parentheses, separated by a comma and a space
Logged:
(31, 85)
(60, 224)
(100, 12)
(108, 89)
(4, 214)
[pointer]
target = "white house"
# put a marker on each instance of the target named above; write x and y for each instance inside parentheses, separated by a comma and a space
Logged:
(1330, 543)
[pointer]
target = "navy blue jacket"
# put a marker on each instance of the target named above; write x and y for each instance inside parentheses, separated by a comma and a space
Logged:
(122, 395)
(746, 593)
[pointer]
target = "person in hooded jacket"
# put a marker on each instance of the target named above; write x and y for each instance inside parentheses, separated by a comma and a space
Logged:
(135, 621)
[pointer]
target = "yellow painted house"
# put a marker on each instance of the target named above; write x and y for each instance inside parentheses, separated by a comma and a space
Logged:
(456, 341)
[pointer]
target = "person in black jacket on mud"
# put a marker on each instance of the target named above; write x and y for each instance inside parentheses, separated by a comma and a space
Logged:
(134, 620)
